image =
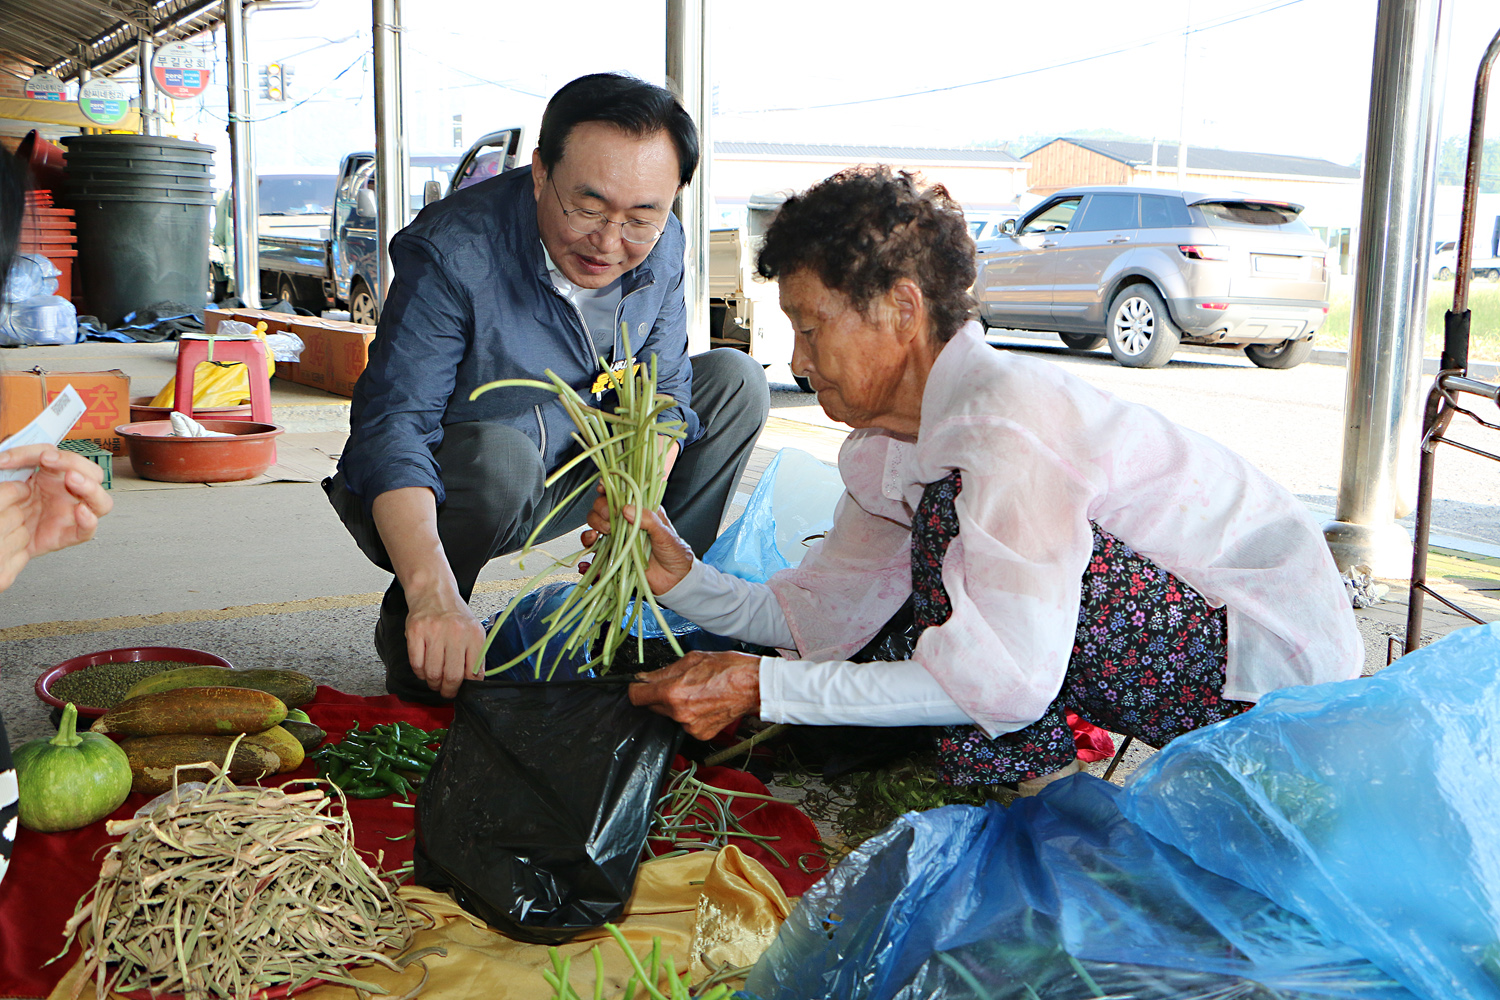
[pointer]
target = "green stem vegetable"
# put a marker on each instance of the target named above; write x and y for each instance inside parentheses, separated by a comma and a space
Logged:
(628, 449)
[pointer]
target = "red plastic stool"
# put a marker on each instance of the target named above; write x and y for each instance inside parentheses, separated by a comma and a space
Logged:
(190, 351)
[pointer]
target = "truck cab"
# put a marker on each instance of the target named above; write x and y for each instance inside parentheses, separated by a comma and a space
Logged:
(340, 269)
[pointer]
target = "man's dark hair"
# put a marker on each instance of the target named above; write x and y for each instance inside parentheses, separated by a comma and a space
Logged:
(12, 205)
(634, 106)
(864, 228)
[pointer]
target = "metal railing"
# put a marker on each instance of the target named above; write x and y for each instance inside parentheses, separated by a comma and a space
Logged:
(1453, 381)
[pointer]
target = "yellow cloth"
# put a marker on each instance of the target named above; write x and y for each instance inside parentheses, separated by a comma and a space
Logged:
(731, 916)
(219, 384)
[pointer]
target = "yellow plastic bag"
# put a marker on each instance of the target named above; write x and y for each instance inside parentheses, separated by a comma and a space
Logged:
(216, 384)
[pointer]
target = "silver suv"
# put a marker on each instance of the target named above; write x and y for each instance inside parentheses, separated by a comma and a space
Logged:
(1146, 269)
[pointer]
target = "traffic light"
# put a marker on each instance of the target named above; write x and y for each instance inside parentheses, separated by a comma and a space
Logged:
(273, 82)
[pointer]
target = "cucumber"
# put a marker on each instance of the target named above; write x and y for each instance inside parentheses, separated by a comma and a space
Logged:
(291, 687)
(306, 733)
(154, 760)
(283, 744)
(206, 711)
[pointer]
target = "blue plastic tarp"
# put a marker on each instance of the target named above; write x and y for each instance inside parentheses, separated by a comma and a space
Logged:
(1371, 807)
(1338, 840)
(1057, 897)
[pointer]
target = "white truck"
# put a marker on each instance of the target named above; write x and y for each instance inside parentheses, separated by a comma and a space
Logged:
(1485, 264)
(745, 310)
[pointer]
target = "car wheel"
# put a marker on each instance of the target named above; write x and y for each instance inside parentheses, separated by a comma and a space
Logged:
(1083, 341)
(1492, 274)
(362, 307)
(1287, 354)
(1445, 274)
(286, 291)
(803, 382)
(1140, 333)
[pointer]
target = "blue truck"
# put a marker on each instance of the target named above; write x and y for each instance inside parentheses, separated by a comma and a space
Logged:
(339, 268)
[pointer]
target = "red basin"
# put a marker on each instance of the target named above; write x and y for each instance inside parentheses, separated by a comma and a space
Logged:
(134, 654)
(141, 409)
(156, 455)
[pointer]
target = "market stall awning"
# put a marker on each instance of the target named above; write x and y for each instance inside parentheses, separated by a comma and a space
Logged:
(66, 36)
(57, 113)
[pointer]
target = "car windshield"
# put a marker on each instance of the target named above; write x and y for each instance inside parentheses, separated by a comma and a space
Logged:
(296, 194)
(1252, 215)
(1054, 218)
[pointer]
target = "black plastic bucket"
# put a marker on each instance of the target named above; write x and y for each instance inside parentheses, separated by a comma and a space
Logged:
(190, 174)
(144, 211)
(145, 147)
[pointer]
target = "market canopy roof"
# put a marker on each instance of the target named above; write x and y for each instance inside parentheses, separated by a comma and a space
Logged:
(64, 36)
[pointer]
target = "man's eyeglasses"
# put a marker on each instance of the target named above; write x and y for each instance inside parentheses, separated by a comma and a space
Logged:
(587, 222)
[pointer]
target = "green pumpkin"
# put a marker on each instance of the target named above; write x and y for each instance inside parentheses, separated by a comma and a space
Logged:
(71, 780)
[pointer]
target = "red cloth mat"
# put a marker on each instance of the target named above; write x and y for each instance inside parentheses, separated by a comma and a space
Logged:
(50, 871)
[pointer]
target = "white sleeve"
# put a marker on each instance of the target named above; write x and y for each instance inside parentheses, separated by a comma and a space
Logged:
(726, 605)
(839, 693)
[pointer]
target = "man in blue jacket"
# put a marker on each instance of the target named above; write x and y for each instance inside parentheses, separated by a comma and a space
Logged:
(536, 269)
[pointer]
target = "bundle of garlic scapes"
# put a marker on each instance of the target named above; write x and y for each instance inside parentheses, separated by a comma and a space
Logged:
(227, 892)
(628, 448)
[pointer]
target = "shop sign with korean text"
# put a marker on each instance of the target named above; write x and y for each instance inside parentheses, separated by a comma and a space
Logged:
(44, 87)
(182, 70)
(103, 102)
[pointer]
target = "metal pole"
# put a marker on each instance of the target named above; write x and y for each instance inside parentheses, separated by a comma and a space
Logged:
(391, 163)
(688, 73)
(245, 197)
(1187, 38)
(1385, 338)
(144, 50)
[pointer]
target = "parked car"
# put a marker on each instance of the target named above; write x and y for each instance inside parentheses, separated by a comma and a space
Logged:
(1146, 269)
(1444, 260)
(987, 227)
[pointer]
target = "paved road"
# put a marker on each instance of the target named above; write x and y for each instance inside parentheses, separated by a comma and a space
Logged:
(1289, 423)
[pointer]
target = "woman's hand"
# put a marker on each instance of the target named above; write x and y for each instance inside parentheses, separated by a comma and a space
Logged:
(671, 557)
(59, 506)
(704, 691)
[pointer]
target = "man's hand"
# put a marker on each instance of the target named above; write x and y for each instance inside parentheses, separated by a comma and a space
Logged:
(442, 638)
(671, 557)
(443, 641)
(706, 692)
(59, 506)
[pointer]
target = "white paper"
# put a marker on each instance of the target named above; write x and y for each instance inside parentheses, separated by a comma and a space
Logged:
(48, 427)
(184, 426)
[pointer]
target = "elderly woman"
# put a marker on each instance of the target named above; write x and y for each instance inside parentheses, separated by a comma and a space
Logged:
(1061, 548)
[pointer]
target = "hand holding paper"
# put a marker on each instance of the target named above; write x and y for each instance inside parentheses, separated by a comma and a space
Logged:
(49, 499)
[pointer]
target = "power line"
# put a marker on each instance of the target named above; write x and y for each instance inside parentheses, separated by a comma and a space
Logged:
(1145, 43)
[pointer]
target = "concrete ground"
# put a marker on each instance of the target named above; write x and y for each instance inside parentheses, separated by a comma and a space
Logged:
(264, 574)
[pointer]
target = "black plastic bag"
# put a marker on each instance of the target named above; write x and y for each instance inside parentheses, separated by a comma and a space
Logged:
(538, 806)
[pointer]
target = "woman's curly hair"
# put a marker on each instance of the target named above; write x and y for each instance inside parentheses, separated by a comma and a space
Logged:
(864, 228)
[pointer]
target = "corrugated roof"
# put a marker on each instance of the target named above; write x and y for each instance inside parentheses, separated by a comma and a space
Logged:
(50, 32)
(1201, 158)
(866, 154)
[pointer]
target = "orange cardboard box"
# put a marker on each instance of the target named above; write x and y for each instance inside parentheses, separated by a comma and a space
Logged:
(313, 367)
(334, 353)
(106, 396)
(349, 353)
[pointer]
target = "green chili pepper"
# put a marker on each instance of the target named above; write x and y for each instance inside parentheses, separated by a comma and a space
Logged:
(366, 791)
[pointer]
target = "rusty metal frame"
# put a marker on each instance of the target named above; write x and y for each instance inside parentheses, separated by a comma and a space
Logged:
(1452, 382)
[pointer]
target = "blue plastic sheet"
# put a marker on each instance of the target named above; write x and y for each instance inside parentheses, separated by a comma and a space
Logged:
(1056, 898)
(1371, 807)
(793, 503)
